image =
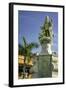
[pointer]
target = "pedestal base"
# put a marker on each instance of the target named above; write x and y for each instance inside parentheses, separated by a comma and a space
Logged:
(45, 66)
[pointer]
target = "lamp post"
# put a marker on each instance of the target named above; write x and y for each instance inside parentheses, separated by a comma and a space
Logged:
(38, 63)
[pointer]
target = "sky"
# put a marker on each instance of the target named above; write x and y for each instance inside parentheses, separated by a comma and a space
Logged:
(29, 23)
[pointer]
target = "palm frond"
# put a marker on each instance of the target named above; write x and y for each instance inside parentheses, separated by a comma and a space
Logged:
(32, 45)
(24, 42)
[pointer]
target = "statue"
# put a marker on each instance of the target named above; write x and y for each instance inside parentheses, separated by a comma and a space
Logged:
(46, 32)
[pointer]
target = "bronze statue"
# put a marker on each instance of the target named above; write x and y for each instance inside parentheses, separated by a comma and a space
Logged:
(46, 30)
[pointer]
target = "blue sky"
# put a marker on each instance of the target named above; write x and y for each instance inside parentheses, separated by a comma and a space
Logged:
(29, 23)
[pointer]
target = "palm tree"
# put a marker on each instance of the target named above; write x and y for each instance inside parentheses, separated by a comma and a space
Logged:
(25, 49)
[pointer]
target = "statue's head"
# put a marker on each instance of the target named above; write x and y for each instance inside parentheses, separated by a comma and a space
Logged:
(47, 19)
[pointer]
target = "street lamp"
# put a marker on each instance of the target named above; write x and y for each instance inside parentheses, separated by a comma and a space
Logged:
(38, 63)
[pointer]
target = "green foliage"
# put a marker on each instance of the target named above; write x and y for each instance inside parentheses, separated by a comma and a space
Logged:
(26, 48)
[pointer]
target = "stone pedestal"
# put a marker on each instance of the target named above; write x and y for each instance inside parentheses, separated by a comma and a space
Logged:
(45, 66)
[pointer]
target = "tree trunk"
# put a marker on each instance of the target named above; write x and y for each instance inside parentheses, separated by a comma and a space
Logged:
(24, 67)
